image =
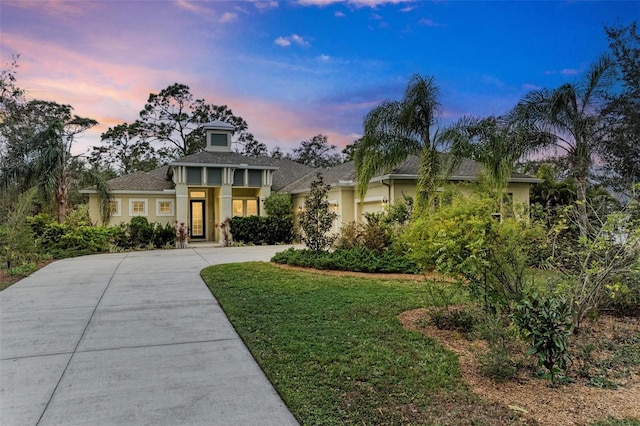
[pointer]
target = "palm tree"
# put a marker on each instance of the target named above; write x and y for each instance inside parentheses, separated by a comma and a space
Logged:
(395, 130)
(570, 117)
(493, 143)
(53, 164)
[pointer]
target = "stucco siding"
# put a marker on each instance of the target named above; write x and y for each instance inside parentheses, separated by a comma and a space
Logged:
(151, 206)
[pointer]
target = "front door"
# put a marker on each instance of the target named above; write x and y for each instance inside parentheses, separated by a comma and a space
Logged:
(197, 219)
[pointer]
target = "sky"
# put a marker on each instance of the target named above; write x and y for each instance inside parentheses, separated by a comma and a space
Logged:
(295, 69)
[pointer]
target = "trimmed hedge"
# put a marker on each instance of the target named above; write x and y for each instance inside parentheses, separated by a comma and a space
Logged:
(356, 259)
(261, 229)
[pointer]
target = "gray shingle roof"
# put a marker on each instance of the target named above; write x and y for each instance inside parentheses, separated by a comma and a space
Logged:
(141, 181)
(288, 176)
(467, 170)
(223, 158)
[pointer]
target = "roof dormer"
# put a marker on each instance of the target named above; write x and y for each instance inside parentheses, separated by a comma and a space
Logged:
(218, 136)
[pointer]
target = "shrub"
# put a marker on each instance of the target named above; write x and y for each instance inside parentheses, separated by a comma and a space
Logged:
(463, 240)
(546, 322)
(279, 205)
(17, 239)
(261, 229)
(454, 319)
(354, 259)
(497, 362)
(163, 236)
(140, 231)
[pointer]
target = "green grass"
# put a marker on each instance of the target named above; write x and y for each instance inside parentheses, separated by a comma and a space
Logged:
(336, 352)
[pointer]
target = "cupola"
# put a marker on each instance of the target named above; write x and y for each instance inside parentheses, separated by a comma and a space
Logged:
(218, 136)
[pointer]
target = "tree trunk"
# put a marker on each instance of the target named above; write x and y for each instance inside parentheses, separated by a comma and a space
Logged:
(61, 199)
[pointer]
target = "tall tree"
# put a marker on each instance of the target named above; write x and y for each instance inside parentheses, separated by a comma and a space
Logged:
(253, 148)
(52, 148)
(396, 129)
(173, 118)
(570, 116)
(621, 147)
(123, 151)
(316, 152)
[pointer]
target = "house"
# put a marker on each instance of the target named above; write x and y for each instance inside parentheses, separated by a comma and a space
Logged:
(204, 189)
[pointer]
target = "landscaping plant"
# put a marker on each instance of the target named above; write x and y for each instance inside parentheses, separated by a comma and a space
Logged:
(316, 219)
(546, 322)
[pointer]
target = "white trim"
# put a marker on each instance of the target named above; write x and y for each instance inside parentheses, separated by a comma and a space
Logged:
(171, 207)
(372, 199)
(227, 165)
(139, 200)
(126, 192)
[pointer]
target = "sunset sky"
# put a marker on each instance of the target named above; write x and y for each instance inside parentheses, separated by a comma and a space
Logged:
(294, 69)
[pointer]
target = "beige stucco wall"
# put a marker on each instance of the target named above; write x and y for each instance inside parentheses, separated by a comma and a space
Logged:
(125, 215)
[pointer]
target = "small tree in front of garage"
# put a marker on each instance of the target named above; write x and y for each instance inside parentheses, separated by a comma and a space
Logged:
(316, 219)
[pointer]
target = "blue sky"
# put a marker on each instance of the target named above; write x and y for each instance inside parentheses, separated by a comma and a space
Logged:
(293, 69)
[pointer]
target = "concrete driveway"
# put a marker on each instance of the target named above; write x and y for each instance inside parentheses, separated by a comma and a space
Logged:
(129, 339)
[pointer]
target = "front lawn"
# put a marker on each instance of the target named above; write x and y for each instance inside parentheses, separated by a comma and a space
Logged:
(336, 352)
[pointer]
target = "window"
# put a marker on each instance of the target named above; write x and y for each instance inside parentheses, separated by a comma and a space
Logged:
(194, 175)
(238, 177)
(252, 207)
(238, 208)
(164, 207)
(214, 176)
(114, 207)
(196, 194)
(255, 177)
(137, 207)
(216, 139)
(248, 207)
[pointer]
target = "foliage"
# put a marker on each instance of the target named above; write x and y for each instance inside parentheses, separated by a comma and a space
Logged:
(123, 152)
(608, 250)
(570, 118)
(140, 231)
(23, 270)
(316, 219)
(394, 130)
(261, 229)
(451, 239)
(463, 240)
(461, 320)
(16, 237)
(620, 149)
(356, 259)
(399, 212)
(335, 351)
(546, 322)
(372, 235)
(497, 362)
(495, 144)
(279, 204)
(174, 118)
(163, 236)
(77, 236)
(316, 152)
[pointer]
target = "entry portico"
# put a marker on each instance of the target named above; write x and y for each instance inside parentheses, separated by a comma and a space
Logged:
(217, 183)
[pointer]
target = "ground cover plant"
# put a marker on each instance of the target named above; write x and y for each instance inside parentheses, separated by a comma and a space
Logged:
(334, 349)
(331, 345)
